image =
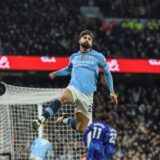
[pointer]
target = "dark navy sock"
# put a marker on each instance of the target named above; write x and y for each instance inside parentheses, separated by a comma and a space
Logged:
(72, 122)
(52, 109)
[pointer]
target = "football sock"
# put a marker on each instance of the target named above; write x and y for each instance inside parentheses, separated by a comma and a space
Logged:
(70, 121)
(52, 109)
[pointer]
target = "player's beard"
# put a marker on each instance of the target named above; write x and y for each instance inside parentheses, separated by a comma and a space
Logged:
(86, 45)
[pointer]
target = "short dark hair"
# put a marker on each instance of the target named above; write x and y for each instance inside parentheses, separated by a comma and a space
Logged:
(85, 32)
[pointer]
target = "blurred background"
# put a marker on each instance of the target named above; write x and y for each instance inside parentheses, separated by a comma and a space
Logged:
(124, 29)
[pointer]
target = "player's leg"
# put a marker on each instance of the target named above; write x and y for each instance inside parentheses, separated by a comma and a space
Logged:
(100, 153)
(82, 122)
(71, 121)
(54, 106)
(108, 156)
(79, 123)
(83, 111)
(66, 97)
(90, 155)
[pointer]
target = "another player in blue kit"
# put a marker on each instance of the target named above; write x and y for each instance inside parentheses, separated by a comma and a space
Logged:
(41, 149)
(103, 137)
(109, 143)
(84, 70)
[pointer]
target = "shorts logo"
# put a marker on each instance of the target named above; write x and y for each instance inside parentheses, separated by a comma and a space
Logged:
(90, 108)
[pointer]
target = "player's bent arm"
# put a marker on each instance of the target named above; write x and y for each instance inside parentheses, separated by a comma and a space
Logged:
(63, 72)
(108, 78)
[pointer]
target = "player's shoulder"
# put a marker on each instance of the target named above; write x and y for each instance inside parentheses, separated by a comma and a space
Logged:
(99, 123)
(97, 53)
(75, 54)
(110, 127)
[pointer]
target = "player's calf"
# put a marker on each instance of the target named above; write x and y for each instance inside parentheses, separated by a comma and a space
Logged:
(82, 122)
(67, 120)
(53, 107)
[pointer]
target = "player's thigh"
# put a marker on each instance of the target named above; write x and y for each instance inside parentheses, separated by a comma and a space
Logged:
(101, 157)
(100, 154)
(90, 154)
(82, 121)
(66, 96)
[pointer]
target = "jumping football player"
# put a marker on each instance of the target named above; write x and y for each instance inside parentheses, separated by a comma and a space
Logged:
(84, 70)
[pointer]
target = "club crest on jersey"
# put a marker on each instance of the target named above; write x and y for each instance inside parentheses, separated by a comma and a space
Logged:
(83, 55)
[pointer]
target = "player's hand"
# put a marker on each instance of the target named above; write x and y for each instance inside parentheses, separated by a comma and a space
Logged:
(114, 98)
(52, 75)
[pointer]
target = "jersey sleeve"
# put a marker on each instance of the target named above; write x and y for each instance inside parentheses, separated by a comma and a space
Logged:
(107, 73)
(67, 70)
(101, 60)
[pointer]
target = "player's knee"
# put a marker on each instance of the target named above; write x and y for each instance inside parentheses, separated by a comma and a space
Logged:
(80, 128)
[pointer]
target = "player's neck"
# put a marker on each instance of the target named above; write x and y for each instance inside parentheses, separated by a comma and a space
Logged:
(84, 49)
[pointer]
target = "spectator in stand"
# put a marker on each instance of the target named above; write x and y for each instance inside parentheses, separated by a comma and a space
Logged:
(50, 25)
(136, 119)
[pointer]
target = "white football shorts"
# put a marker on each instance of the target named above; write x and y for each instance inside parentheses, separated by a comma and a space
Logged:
(82, 101)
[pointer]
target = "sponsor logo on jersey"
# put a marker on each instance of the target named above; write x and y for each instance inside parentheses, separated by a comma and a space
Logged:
(80, 63)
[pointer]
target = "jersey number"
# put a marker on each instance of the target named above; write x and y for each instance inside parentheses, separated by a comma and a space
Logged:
(96, 132)
(113, 136)
(90, 108)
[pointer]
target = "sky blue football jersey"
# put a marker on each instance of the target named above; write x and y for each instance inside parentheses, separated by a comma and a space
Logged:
(84, 70)
(40, 147)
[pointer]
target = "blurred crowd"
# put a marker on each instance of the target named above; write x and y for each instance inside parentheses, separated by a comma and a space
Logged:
(51, 28)
(38, 27)
(129, 39)
(129, 8)
(136, 119)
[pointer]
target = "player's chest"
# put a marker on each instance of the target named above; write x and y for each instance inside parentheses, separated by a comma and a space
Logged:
(85, 60)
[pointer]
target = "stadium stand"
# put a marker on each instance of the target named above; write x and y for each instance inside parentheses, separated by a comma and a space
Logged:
(51, 28)
(129, 8)
(136, 118)
(123, 29)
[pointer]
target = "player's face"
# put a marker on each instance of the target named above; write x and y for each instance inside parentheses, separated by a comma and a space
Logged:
(86, 41)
